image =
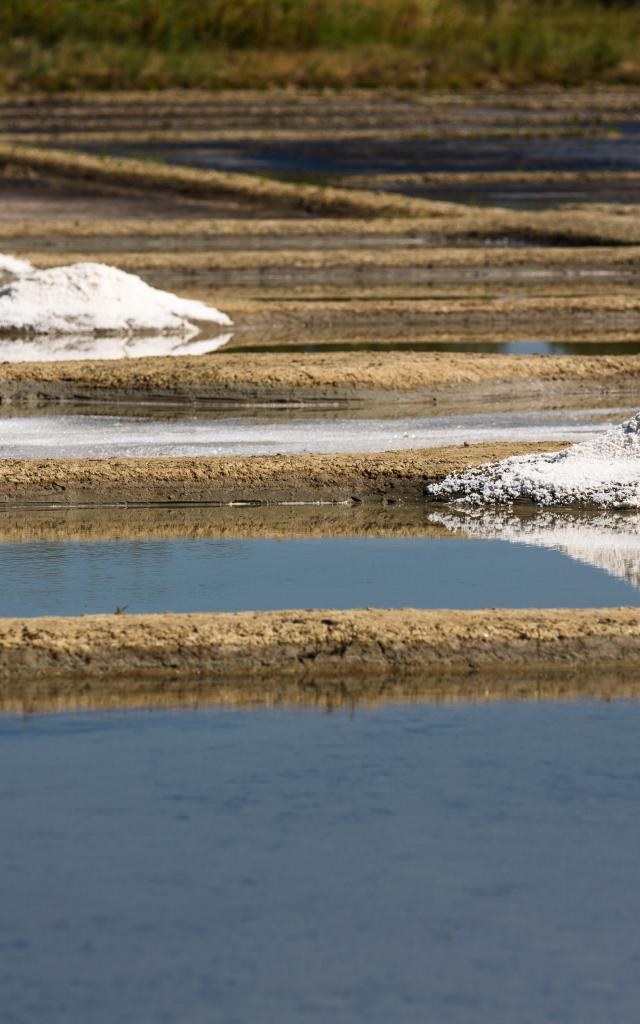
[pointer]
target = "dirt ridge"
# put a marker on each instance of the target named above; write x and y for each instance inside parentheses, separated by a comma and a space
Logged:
(252, 479)
(58, 656)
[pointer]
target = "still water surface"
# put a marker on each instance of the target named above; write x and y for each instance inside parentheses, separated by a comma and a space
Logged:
(240, 574)
(417, 864)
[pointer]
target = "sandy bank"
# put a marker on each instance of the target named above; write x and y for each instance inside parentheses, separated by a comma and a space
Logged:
(399, 476)
(350, 654)
(282, 377)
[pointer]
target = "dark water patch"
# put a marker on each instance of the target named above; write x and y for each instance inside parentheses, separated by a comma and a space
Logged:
(317, 159)
(236, 574)
(518, 347)
(520, 196)
(413, 863)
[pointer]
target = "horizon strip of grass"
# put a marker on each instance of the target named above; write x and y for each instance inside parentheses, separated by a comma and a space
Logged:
(65, 44)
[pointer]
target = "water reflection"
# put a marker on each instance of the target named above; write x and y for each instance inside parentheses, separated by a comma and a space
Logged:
(607, 540)
(51, 347)
(421, 863)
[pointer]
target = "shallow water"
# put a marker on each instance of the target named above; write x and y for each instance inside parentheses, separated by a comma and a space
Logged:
(327, 157)
(517, 347)
(93, 436)
(242, 574)
(461, 863)
(522, 195)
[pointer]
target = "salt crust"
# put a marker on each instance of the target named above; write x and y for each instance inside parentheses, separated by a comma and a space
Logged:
(607, 540)
(107, 436)
(603, 471)
(63, 312)
(11, 266)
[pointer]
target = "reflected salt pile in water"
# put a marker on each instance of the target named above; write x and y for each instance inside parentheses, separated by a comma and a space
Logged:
(49, 348)
(603, 471)
(608, 541)
(90, 310)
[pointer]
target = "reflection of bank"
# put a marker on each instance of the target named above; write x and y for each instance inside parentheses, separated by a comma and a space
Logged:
(606, 540)
(49, 348)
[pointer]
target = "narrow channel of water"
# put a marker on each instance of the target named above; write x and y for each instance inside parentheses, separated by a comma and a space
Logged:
(516, 347)
(241, 574)
(464, 863)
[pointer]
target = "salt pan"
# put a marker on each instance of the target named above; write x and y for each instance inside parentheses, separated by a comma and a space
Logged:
(603, 471)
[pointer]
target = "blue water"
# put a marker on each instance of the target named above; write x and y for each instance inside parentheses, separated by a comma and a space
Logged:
(71, 578)
(309, 158)
(413, 864)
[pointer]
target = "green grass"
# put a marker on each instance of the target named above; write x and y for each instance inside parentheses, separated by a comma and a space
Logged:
(61, 44)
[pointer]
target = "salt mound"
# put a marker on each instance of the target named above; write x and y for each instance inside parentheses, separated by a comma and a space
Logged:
(604, 471)
(609, 540)
(11, 265)
(91, 298)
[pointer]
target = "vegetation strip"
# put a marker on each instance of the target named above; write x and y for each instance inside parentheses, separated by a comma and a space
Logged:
(69, 656)
(421, 43)
(252, 479)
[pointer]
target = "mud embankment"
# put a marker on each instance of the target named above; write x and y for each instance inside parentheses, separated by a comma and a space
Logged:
(300, 377)
(315, 655)
(254, 479)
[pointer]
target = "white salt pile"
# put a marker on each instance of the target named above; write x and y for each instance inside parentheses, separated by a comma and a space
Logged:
(10, 266)
(64, 311)
(603, 471)
(608, 541)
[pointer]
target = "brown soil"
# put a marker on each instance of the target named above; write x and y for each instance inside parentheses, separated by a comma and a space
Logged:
(357, 259)
(283, 377)
(314, 655)
(399, 476)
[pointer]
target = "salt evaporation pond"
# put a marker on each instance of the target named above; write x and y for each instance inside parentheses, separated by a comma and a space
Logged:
(104, 436)
(459, 863)
(242, 574)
